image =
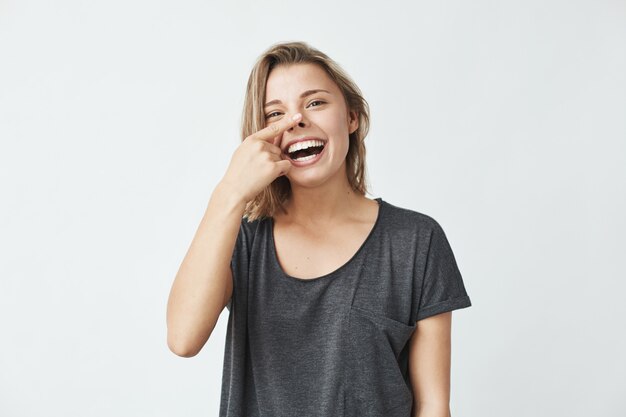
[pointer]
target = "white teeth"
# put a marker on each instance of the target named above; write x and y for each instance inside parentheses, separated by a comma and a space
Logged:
(304, 145)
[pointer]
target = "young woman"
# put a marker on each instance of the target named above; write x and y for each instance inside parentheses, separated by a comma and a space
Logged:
(339, 305)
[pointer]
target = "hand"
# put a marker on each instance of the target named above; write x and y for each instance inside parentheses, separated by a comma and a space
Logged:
(258, 161)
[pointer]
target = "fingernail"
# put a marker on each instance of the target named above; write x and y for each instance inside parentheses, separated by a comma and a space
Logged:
(296, 116)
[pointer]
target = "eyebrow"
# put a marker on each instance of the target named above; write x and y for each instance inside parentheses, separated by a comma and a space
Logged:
(303, 95)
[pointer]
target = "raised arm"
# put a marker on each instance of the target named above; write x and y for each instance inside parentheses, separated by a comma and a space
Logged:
(204, 282)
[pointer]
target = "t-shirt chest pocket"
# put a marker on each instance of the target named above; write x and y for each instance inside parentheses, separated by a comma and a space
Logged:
(374, 382)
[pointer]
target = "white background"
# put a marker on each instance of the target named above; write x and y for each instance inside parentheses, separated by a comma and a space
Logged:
(505, 121)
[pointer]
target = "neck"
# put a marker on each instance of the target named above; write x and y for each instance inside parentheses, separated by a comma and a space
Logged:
(332, 201)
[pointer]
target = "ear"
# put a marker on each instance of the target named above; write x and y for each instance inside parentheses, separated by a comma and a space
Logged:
(353, 121)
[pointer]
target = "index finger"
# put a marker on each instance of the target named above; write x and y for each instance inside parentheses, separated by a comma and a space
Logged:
(270, 132)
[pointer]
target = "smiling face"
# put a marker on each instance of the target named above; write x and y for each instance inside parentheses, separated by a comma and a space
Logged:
(307, 89)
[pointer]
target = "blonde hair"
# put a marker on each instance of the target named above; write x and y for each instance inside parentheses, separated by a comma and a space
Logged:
(272, 197)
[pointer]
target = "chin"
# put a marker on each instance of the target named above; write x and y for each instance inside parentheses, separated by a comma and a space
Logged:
(312, 179)
(312, 183)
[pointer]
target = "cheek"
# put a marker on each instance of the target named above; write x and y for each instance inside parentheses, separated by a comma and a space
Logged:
(335, 124)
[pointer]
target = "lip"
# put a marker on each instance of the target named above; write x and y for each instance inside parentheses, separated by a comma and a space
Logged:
(302, 140)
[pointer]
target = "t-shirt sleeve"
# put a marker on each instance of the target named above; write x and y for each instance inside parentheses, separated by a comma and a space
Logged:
(240, 258)
(442, 287)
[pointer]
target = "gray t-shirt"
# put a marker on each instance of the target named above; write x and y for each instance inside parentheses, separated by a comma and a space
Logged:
(335, 345)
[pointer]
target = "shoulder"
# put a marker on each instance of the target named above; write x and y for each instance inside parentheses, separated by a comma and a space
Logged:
(410, 220)
(250, 228)
(248, 224)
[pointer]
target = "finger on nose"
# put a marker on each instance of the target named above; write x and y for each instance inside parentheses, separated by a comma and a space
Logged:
(290, 122)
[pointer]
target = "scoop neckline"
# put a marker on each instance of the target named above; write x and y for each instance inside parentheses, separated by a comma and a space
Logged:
(381, 204)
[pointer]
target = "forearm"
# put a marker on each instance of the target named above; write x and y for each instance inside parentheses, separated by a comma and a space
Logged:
(197, 295)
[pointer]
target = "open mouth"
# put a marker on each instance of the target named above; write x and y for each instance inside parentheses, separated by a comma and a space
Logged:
(305, 150)
(305, 154)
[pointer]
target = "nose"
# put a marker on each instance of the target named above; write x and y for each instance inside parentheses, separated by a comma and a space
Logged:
(300, 124)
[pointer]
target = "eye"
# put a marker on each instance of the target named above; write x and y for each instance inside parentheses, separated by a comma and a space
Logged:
(274, 113)
(316, 101)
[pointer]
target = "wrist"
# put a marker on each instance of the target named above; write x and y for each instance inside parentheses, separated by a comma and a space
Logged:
(228, 195)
